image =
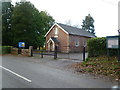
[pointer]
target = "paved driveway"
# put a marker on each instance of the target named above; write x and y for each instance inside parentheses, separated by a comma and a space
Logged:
(73, 56)
(45, 73)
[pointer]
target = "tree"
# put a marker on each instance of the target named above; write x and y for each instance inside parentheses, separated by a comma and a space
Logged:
(28, 25)
(46, 21)
(7, 9)
(88, 24)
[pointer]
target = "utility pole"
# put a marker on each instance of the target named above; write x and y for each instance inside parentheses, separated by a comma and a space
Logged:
(119, 31)
(119, 45)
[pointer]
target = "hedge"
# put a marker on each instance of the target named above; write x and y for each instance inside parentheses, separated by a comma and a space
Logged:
(97, 47)
(5, 49)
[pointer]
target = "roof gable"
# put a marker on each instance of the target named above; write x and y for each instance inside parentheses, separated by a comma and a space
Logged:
(52, 28)
(71, 30)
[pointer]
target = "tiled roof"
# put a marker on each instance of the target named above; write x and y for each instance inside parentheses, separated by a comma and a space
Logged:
(76, 31)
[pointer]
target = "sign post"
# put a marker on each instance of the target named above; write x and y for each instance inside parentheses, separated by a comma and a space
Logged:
(20, 45)
(119, 45)
(84, 46)
(55, 52)
(119, 49)
(31, 51)
(113, 42)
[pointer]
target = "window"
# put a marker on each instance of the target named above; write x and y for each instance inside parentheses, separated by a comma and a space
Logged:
(56, 32)
(76, 43)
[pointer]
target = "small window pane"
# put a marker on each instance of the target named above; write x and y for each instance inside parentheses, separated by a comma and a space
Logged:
(56, 30)
(77, 43)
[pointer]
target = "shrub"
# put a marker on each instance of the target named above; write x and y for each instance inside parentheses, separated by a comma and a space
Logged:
(5, 49)
(97, 47)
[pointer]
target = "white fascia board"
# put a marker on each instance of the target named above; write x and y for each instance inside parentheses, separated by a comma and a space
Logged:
(53, 26)
(50, 30)
(62, 28)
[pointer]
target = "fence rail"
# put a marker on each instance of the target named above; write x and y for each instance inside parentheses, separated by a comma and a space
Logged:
(61, 55)
(45, 52)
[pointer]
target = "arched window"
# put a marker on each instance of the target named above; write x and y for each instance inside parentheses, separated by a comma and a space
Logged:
(56, 32)
(76, 43)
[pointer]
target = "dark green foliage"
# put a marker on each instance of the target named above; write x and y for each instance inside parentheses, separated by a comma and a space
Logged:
(7, 9)
(29, 25)
(5, 49)
(24, 23)
(45, 22)
(97, 47)
(113, 52)
(88, 24)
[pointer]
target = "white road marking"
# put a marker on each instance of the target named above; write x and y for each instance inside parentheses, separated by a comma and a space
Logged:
(15, 74)
(115, 86)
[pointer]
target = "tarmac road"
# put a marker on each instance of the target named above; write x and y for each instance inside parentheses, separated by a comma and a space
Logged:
(30, 72)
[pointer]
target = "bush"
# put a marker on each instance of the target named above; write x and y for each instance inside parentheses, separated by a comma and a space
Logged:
(113, 52)
(97, 47)
(5, 49)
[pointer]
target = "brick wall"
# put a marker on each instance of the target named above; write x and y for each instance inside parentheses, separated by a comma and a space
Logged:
(14, 51)
(24, 52)
(72, 40)
(62, 37)
(67, 42)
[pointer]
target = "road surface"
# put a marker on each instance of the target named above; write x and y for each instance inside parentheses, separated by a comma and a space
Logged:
(31, 72)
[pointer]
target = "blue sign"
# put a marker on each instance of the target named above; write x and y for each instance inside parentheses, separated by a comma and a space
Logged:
(21, 44)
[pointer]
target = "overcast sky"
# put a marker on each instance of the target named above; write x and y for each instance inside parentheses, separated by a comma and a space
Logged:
(104, 12)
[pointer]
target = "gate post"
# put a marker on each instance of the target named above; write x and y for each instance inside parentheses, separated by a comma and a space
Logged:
(19, 50)
(30, 50)
(42, 53)
(119, 48)
(83, 53)
(55, 52)
(84, 46)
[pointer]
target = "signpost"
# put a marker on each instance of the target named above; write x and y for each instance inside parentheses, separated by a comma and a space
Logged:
(84, 45)
(20, 45)
(113, 42)
(119, 45)
(119, 30)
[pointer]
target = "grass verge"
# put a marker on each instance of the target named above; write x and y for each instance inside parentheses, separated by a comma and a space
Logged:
(100, 66)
